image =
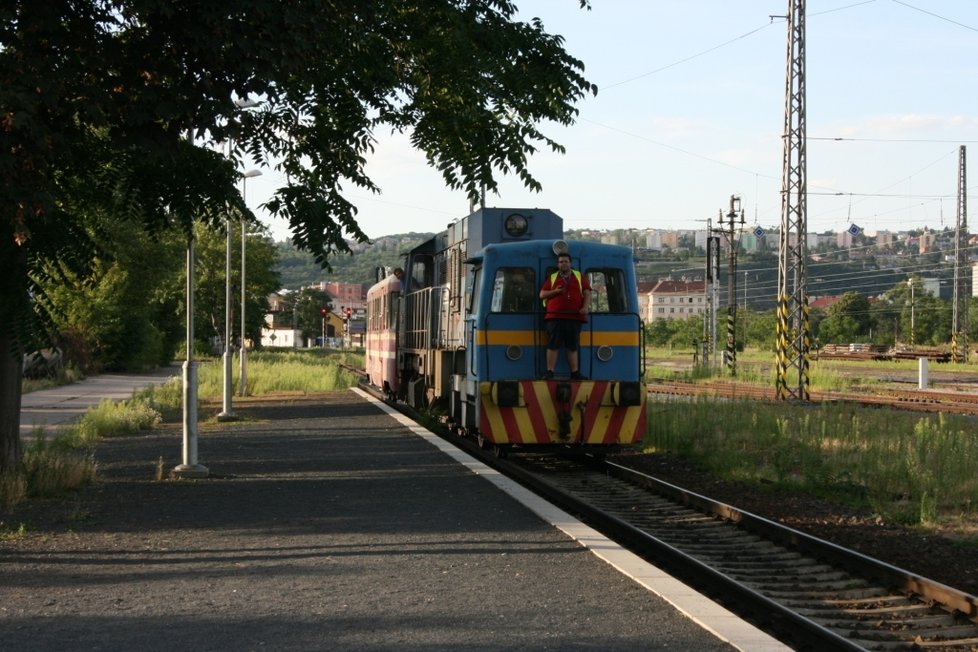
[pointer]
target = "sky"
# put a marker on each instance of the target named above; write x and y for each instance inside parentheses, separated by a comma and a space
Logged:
(690, 111)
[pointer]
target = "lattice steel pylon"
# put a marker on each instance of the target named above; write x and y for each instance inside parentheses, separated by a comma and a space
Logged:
(793, 334)
(959, 311)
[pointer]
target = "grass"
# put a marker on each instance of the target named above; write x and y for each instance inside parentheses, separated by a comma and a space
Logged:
(67, 375)
(50, 467)
(111, 419)
(270, 372)
(908, 468)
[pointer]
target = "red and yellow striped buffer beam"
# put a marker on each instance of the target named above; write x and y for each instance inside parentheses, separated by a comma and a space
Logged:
(529, 412)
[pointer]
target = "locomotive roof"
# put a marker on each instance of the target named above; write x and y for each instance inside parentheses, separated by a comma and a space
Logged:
(543, 249)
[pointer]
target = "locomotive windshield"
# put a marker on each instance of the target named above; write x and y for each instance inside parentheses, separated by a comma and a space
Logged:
(514, 289)
(608, 290)
(609, 293)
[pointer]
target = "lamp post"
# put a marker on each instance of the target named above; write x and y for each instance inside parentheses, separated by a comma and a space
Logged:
(190, 468)
(243, 387)
(227, 412)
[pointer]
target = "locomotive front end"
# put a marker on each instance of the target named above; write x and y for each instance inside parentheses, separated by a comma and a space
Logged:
(518, 405)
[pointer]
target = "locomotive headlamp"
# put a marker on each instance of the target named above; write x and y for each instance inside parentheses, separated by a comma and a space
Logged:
(627, 394)
(560, 247)
(516, 225)
(514, 352)
(506, 393)
(605, 353)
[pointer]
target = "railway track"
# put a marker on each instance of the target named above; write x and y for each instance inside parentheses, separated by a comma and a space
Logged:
(923, 400)
(809, 593)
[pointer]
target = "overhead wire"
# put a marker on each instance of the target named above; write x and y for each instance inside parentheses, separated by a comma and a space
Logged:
(863, 195)
(931, 13)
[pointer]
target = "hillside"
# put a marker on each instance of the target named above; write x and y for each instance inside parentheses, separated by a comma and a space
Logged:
(298, 268)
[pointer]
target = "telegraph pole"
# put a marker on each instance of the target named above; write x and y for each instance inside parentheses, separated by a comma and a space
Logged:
(713, 296)
(735, 213)
(793, 333)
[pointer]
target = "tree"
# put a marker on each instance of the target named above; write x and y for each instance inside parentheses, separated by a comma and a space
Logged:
(211, 280)
(119, 316)
(762, 329)
(309, 303)
(848, 320)
(112, 106)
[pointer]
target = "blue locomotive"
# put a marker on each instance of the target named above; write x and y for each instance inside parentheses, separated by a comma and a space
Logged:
(463, 331)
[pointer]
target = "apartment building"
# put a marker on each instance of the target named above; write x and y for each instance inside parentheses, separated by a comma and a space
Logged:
(680, 299)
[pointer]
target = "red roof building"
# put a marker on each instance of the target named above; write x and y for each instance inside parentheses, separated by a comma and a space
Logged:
(677, 299)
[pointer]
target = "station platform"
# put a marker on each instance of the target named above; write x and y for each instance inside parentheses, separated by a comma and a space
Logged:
(331, 524)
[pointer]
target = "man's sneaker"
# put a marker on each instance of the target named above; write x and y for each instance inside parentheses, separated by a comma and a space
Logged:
(549, 375)
(576, 375)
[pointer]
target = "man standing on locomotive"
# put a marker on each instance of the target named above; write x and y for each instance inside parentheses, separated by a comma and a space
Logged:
(566, 294)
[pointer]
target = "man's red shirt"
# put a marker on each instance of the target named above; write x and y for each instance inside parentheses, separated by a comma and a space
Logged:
(568, 304)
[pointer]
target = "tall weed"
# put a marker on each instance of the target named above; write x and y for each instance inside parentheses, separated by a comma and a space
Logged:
(109, 419)
(306, 371)
(906, 467)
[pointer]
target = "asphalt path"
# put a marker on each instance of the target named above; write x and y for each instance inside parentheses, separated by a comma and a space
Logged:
(58, 406)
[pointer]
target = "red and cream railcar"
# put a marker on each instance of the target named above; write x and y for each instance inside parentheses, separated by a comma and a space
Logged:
(383, 305)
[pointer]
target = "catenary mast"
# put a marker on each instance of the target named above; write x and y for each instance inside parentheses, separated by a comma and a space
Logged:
(959, 311)
(793, 337)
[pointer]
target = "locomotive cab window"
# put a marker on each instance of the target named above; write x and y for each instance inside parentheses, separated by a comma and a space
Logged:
(608, 290)
(472, 278)
(514, 289)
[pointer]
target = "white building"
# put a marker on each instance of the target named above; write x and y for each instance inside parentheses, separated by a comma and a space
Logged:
(277, 336)
(677, 299)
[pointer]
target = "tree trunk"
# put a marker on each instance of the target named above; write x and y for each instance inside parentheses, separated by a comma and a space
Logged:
(11, 364)
(13, 303)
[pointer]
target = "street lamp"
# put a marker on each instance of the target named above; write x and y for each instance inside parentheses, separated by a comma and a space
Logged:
(243, 387)
(189, 466)
(227, 412)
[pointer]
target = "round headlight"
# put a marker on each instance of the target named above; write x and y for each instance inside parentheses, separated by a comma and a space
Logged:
(516, 225)
(605, 353)
(514, 352)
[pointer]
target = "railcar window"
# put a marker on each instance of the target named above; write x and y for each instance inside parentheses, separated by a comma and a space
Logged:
(608, 293)
(514, 289)
(393, 309)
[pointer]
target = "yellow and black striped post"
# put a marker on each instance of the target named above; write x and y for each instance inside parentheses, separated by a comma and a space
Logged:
(781, 336)
(959, 347)
(805, 352)
(731, 340)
